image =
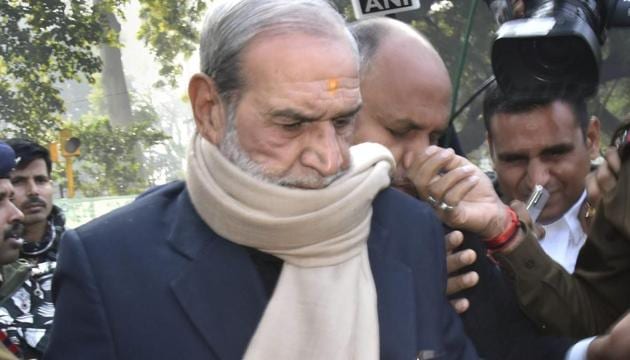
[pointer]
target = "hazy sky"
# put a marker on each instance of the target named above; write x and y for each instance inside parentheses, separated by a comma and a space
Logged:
(139, 64)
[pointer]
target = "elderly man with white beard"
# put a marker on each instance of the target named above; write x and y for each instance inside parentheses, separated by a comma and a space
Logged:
(283, 242)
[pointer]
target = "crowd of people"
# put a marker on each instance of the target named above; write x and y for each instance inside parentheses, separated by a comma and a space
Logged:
(319, 218)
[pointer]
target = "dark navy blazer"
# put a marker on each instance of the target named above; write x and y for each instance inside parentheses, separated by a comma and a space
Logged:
(495, 322)
(152, 281)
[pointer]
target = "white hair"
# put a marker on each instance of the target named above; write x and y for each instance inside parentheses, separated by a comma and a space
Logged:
(230, 25)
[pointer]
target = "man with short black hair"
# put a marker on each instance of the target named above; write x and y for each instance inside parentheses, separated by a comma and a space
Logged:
(548, 142)
(589, 301)
(28, 312)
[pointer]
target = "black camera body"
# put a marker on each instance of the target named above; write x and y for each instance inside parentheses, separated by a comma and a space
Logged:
(556, 48)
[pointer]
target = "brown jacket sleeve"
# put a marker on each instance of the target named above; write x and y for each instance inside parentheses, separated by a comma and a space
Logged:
(5, 354)
(589, 301)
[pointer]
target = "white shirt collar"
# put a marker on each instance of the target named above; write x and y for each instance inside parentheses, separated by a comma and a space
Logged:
(564, 237)
(570, 220)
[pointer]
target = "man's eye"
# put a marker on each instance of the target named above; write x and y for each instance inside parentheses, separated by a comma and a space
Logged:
(342, 122)
(553, 157)
(42, 180)
(292, 126)
(557, 153)
(397, 133)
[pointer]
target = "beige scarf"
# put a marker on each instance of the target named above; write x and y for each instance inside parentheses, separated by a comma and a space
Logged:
(324, 304)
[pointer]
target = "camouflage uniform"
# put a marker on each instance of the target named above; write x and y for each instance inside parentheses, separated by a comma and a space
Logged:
(26, 307)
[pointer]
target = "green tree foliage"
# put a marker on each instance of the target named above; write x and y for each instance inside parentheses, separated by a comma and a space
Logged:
(43, 43)
(106, 165)
(445, 27)
(169, 28)
(47, 42)
(612, 101)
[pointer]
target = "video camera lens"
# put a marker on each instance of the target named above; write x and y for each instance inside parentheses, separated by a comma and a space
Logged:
(555, 50)
(553, 60)
(551, 55)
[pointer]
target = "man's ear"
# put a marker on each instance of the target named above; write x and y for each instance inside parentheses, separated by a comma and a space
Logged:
(593, 137)
(207, 108)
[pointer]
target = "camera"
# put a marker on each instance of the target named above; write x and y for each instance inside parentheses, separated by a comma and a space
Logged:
(555, 49)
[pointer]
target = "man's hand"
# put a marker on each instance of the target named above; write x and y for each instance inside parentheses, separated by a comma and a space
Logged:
(502, 12)
(523, 216)
(442, 177)
(455, 262)
(606, 174)
(614, 345)
(600, 183)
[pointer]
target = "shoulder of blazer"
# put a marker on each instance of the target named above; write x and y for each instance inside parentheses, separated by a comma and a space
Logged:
(407, 229)
(154, 205)
(395, 207)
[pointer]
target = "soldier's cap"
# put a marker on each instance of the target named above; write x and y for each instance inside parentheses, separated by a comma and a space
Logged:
(7, 160)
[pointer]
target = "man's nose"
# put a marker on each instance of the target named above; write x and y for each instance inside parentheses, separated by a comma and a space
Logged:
(31, 187)
(15, 214)
(537, 173)
(325, 150)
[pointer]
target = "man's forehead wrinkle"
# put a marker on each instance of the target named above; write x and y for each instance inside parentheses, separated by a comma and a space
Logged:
(408, 123)
(314, 103)
(341, 94)
(295, 111)
(525, 150)
(341, 83)
(310, 111)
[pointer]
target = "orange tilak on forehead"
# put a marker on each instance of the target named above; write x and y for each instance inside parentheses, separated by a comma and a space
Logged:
(332, 85)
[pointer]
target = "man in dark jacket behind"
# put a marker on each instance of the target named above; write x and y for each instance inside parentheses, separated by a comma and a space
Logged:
(406, 92)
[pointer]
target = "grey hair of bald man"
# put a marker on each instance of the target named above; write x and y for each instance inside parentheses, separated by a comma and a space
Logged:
(369, 34)
(231, 25)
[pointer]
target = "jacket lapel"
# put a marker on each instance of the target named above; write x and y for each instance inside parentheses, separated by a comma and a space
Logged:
(396, 300)
(220, 290)
(222, 294)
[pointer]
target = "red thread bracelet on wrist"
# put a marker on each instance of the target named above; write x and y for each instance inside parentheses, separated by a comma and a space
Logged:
(503, 238)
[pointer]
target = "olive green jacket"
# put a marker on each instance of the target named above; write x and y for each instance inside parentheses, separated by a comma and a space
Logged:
(598, 293)
(5, 354)
(13, 276)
